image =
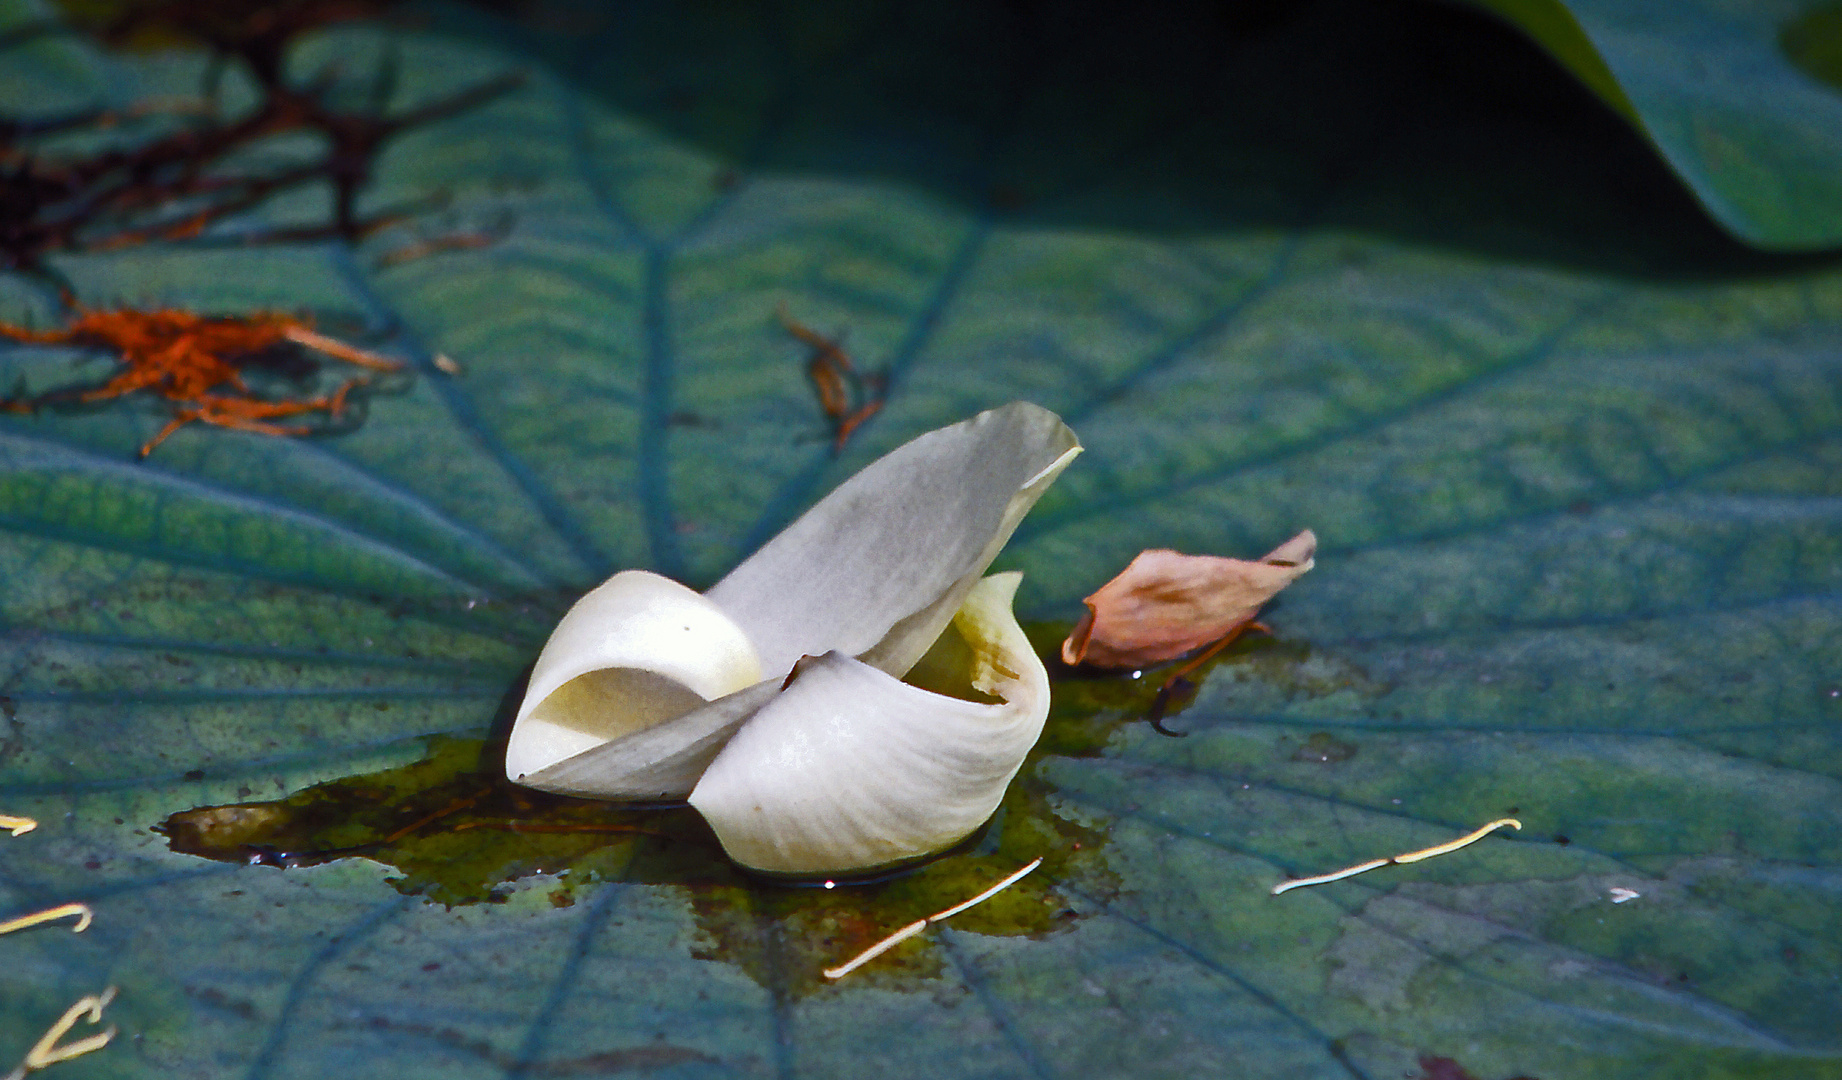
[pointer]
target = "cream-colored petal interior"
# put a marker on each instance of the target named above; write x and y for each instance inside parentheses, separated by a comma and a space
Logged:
(634, 653)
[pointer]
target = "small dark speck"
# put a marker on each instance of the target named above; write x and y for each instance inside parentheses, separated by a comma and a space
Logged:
(92, 864)
(1562, 840)
(195, 775)
(1514, 810)
(431, 966)
(1580, 506)
(118, 821)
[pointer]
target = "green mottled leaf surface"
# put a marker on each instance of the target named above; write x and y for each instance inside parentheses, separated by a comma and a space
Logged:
(1572, 453)
(1744, 100)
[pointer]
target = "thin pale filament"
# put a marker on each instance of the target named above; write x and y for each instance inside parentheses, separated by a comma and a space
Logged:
(919, 925)
(18, 826)
(1463, 841)
(351, 354)
(987, 894)
(1325, 879)
(876, 950)
(80, 912)
(46, 1052)
(1410, 857)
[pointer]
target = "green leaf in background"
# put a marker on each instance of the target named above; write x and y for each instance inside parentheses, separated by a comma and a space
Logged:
(1744, 100)
(1572, 453)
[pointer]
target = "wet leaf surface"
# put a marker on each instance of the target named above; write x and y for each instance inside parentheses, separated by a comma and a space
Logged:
(1571, 455)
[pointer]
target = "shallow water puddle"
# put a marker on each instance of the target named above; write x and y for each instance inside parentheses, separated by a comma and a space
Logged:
(458, 833)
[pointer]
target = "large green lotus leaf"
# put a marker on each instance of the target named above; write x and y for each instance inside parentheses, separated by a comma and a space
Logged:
(1744, 100)
(1574, 458)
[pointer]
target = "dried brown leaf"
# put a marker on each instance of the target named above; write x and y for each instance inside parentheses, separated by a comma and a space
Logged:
(1166, 603)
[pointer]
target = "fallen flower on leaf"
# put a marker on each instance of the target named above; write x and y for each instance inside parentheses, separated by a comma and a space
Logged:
(776, 700)
(1165, 603)
(196, 362)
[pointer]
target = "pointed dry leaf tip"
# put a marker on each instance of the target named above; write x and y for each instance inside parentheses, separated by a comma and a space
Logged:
(870, 579)
(1165, 603)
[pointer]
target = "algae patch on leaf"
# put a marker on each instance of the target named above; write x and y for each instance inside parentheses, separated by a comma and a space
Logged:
(459, 834)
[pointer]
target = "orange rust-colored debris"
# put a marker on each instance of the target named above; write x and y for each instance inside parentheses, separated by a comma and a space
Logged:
(846, 397)
(195, 362)
(1165, 604)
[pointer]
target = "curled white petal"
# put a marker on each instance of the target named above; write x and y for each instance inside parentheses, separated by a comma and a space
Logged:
(850, 769)
(661, 762)
(877, 568)
(637, 651)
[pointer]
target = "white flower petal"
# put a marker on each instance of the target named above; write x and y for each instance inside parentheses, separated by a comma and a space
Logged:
(662, 762)
(637, 651)
(879, 566)
(849, 769)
